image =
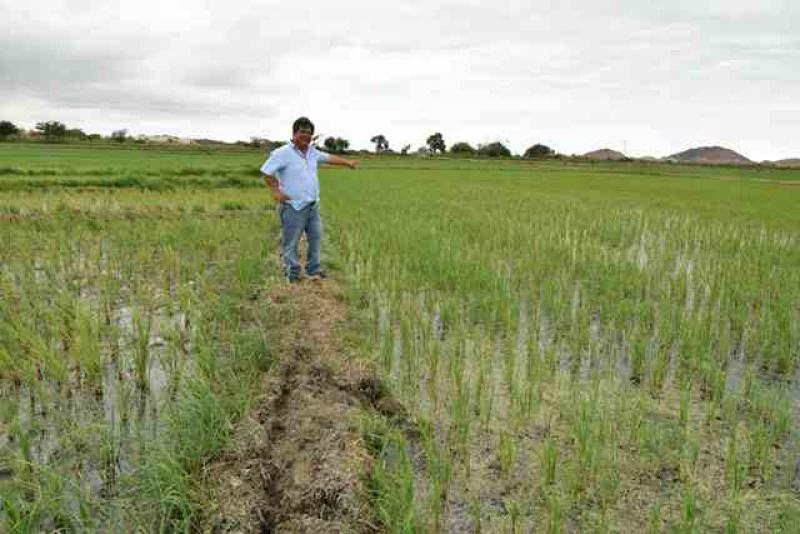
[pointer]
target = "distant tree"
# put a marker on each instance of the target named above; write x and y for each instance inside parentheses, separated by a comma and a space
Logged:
(405, 149)
(337, 145)
(538, 151)
(75, 134)
(259, 142)
(424, 151)
(119, 135)
(462, 148)
(7, 129)
(263, 142)
(436, 143)
(494, 150)
(51, 130)
(381, 143)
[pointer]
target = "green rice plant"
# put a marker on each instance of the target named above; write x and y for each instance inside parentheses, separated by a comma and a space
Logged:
(507, 454)
(14, 369)
(438, 464)
(690, 455)
(735, 465)
(460, 417)
(200, 421)
(387, 348)
(691, 512)
(391, 484)
(655, 519)
(549, 460)
(554, 513)
(586, 440)
(638, 356)
(551, 360)
(787, 519)
(171, 359)
(484, 389)
(161, 486)
(658, 371)
(142, 324)
(9, 209)
(407, 360)
(476, 514)
(110, 446)
(123, 399)
(759, 445)
(733, 521)
(514, 514)
(685, 400)
(771, 405)
(86, 349)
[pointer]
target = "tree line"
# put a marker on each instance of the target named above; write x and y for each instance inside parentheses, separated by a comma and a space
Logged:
(435, 145)
(56, 131)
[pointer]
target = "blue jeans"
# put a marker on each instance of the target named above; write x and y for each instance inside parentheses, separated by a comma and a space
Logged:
(293, 224)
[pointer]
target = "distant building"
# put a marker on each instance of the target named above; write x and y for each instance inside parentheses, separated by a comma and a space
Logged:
(163, 138)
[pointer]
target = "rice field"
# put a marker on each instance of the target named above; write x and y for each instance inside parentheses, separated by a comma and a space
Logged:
(127, 347)
(609, 347)
(586, 349)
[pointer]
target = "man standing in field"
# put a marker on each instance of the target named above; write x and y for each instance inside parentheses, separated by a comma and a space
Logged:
(291, 175)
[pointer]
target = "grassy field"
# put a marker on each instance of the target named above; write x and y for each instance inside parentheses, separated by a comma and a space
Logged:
(608, 347)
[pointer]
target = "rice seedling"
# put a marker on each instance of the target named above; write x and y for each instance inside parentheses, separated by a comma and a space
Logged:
(549, 462)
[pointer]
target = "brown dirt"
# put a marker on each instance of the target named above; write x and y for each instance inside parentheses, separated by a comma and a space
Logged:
(299, 463)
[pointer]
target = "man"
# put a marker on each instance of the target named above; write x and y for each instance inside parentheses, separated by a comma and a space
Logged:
(291, 175)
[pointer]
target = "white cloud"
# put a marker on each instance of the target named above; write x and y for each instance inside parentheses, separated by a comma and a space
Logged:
(577, 75)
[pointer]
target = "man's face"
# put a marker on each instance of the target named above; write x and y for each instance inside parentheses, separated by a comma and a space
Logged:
(302, 138)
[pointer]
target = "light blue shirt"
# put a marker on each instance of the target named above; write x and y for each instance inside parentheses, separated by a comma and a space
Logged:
(296, 173)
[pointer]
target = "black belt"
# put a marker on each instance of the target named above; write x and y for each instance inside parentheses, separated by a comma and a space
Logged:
(313, 202)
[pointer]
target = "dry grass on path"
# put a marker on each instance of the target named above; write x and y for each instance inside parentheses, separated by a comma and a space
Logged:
(298, 463)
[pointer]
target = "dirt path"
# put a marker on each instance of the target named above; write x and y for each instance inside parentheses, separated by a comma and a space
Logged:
(298, 463)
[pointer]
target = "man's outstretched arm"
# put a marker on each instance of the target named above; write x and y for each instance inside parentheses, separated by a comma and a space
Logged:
(333, 159)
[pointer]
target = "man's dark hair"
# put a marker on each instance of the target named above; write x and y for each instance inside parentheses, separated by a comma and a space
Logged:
(302, 122)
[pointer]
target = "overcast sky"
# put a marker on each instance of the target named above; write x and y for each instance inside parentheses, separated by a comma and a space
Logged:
(650, 77)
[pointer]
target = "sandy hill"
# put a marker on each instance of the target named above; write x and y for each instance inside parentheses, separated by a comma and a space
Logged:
(709, 154)
(791, 162)
(605, 154)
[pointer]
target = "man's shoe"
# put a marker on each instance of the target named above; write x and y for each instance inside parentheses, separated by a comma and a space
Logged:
(320, 275)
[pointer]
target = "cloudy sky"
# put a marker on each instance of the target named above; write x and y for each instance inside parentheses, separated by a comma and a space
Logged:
(651, 78)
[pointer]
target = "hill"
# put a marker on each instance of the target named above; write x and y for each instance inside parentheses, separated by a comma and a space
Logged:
(709, 154)
(605, 154)
(791, 162)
